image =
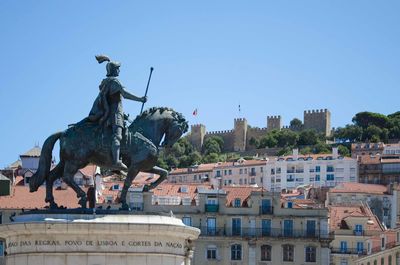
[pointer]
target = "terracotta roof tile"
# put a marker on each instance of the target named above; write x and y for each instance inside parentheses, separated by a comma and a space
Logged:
(21, 198)
(341, 213)
(350, 187)
(239, 192)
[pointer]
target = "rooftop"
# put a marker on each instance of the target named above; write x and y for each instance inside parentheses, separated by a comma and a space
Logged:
(34, 152)
(350, 187)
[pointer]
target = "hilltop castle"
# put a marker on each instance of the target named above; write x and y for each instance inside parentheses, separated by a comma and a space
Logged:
(237, 140)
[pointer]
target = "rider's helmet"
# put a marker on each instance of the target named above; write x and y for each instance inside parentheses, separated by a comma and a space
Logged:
(112, 68)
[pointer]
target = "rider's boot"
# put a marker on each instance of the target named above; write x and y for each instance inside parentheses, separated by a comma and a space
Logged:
(117, 163)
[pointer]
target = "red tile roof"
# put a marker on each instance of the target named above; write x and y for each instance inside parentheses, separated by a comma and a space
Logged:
(239, 192)
(338, 214)
(22, 198)
(198, 169)
(350, 187)
(172, 189)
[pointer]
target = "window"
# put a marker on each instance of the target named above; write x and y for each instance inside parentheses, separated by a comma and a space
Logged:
(390, 260)
(343, 261)
(375, 262)
(266, 227)
(311, 228)
(330, 177)
(195, 177)
(225, 172)
(261, 169)
(343, 246)
(240, 181)
(329, 169)
(288, 252)
(311, 254)
(317, 169)
(288, 228)
(241, 171)
(187, 220)
(266, 252)
(358, 230)
(360, 247)
(317, 177)
(211, 226)
(290, 204)
(237, 202)
(211, 252)
(1, 248)
(236, 252)
(218, 173)
(230, 171)
(382, 242)
(236, 226)
(382, 261)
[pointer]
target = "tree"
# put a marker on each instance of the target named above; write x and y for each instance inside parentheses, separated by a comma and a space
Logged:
(365, 119)
(269, 140)
(287, 138)
(343, 150)
(296, 123)
(372, 133)
(321, 148)
(308, 137)
(213, 145)
(254, 142)
(211, 158)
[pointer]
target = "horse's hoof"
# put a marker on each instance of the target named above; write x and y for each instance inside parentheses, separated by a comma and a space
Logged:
(124, 207)
(53, 205)
(82, 202)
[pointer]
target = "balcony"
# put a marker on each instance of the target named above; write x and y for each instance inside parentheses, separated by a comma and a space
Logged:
(211, 208)
(246, 232)
(266, 210)
(349, 251)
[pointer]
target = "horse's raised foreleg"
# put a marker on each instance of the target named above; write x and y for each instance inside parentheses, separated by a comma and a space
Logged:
(132, 172)
(69, 171)
(163, 175)
(53, 175)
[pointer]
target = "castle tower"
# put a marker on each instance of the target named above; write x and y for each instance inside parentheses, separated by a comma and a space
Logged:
(239, 134)
(274, 122)
(197, 133)
(319, 120)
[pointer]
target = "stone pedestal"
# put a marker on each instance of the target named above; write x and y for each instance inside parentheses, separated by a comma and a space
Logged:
(71, 239)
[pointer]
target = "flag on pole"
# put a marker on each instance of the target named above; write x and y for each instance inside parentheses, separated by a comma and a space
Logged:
(195, 112)
(239, 108)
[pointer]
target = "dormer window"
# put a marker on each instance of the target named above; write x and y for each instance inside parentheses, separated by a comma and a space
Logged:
(237, 202)
(184, 189)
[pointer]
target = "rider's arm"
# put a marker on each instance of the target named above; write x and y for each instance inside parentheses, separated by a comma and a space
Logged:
(130, 96)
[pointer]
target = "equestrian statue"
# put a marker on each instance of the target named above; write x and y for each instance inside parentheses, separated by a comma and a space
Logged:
(102, 138)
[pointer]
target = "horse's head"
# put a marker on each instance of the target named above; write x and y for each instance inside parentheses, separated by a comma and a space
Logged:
(34, 183)
(174, 133)
(155, 123)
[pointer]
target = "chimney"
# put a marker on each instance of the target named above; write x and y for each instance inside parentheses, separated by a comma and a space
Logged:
(335, 152)
(295, 153)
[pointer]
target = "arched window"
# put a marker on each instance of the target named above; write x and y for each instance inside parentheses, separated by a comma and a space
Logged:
(266, 252)
(236, 252)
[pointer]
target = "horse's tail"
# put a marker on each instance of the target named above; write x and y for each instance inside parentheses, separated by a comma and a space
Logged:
(44, 163)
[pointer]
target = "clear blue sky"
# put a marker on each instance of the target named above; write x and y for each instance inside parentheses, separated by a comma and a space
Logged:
(272, 57)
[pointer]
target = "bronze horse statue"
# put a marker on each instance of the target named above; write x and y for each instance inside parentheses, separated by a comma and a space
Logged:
(88, 142)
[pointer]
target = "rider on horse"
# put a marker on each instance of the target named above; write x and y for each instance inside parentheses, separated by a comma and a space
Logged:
(107, 109)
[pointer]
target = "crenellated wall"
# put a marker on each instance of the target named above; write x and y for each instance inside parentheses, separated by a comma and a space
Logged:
(319, 120)
(238, 138)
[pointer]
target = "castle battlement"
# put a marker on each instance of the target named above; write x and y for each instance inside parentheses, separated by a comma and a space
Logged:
(239, 119)
(258, 129)
(316, 111)
(219, 132)
(275, 117)
(199, 125)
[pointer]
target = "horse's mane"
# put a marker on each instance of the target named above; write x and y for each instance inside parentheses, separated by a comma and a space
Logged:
(151, 111)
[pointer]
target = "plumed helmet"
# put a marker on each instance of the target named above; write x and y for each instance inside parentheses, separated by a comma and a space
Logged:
(111, 66)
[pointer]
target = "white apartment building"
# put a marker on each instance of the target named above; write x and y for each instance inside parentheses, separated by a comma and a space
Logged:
(319, 170)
